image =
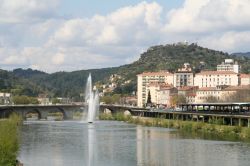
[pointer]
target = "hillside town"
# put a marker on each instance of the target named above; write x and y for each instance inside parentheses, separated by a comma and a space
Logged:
(166, 89)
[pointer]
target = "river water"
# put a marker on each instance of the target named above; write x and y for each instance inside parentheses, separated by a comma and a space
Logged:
(108, 143)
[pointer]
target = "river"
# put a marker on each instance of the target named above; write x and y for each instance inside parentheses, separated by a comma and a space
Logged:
(109, 143)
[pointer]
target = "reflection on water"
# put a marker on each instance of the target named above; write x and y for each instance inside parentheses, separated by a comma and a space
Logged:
(120, 144)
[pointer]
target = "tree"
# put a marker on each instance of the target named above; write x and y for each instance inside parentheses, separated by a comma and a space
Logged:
(239, 96)
(177, 99)
(212, 99)
(149, 99)
(55, 101)
(25, 100)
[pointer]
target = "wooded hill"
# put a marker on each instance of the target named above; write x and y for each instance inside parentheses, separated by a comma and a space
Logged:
(71, 84)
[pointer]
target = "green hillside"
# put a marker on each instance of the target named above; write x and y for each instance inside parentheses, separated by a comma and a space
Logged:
(9, 82)
(169, 57)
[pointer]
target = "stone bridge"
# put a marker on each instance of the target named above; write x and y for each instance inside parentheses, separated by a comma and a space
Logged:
(120, 109)
(41, 110)
(67, 110)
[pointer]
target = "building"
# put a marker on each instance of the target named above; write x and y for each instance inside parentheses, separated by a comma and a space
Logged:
(145, 78)
(219, 93)
(216, 78)
(44, 101)
(229, 65)
(244, 79)
(184, 76)
(5, 98)
(161, 93)
(189, 92)
(205, 94)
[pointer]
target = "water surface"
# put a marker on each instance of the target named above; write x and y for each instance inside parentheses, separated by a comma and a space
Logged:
(107, 143)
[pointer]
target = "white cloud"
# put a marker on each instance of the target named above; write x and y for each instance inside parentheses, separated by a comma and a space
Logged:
(39, 39)
(58, 59)
(209, 16)
(127, 25)
(13, 11)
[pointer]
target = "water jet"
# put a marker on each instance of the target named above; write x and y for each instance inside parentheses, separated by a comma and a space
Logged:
(91, 101)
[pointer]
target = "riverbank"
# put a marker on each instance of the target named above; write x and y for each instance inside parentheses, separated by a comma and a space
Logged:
(9, 140)
(222, 131)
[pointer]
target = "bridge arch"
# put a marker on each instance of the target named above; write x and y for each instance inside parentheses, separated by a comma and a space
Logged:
(32, 113)
(57, 112)
(111, 110)
(127, 112)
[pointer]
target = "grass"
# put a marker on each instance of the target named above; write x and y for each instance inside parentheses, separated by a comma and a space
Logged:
(9, 142)
(214, 128)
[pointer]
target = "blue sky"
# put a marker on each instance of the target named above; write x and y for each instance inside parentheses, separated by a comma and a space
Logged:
(68, 35)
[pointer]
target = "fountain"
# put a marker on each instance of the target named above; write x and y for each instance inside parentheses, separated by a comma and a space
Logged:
(91, 100)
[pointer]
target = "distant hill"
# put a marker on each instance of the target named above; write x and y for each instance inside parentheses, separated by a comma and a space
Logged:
(9, 82)
(246, 54)
(163, 57)
(28, 73)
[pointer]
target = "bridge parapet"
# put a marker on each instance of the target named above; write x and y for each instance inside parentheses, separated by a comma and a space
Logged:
(67, 110)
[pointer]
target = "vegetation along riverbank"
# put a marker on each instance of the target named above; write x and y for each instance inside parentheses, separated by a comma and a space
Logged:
(213, 127)
(9, 140)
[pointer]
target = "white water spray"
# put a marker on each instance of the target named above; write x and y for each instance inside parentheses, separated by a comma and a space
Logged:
(91, 100)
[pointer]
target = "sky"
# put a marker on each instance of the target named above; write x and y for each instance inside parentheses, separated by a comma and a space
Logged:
(68, 35)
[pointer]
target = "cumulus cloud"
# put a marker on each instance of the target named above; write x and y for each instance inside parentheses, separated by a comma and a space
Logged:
(16, 11)
(125, 26)
(208, 16)
(50, 43)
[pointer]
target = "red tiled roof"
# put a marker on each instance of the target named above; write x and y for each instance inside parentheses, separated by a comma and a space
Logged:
(242, 87)
(244, 75)
(215, 72)
(186, 88)
(229, 88)
(161, 85)
(191, 94)
(207, 89)
(160, 73)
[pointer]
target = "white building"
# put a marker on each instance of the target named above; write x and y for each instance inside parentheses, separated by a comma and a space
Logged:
(161, 93)
(5, 98)
(216, 78)
(244, 79)
(220, 93)
(145, 78)
(189, 92)
(184, 76)
(229, 65)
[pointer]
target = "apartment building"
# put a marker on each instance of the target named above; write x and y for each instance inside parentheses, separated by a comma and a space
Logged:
(161, 93)
(218, 93)
(145, 78)
(189, 92)
(184, 76)
(216, 78)
(244, 79)
(229, 65)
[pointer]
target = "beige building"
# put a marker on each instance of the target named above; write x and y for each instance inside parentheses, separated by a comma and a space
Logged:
(184, 76)
(244, 79)
(219, 93)
(161, 93)
(216, 78)
(189, 92)
(145, 78)
(229, 65)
